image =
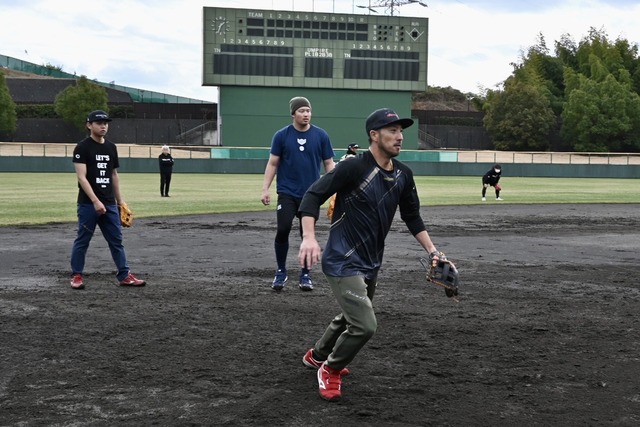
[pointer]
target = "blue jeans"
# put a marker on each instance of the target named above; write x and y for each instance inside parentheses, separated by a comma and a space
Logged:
(109, 224)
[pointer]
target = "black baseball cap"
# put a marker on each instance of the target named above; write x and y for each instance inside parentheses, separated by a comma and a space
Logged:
(98, 116)
(385, 117)
(353, 146)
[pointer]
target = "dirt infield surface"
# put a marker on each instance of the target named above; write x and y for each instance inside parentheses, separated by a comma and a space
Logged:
(547, 331)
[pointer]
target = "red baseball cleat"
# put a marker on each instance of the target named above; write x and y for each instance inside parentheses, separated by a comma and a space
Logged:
(131, 280)
(329, 383)
(76, 281)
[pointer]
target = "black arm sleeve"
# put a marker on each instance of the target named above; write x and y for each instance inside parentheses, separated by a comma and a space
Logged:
(410, 205)
(343, 177)
(315, 196)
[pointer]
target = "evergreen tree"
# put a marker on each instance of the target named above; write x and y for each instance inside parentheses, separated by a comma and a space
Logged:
(8, 115)
(602, 114)
(74, 102)
(519, 118)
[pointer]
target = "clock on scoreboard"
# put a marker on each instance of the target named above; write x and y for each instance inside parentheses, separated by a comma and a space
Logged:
(247, 47)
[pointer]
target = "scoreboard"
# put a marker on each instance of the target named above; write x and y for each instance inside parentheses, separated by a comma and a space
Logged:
(248, 47)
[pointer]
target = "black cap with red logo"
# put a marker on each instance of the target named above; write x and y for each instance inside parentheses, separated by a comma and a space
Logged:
(385, 117)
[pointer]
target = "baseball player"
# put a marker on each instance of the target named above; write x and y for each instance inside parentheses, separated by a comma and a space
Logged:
(369, 190)
(352, 151)
(297, 151)
(96, 163)
(491, 178)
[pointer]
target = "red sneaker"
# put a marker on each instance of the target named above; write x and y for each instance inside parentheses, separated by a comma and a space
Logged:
(76, 281)
(329, 383)
(314, 363)
(131, 280)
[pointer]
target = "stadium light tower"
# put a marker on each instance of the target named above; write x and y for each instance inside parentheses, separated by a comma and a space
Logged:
(390, 5)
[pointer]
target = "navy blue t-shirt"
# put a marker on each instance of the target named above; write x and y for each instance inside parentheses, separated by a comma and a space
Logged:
(301, 156)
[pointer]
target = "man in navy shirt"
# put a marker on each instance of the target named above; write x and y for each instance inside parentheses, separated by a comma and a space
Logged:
(297, 151)
(369, 190)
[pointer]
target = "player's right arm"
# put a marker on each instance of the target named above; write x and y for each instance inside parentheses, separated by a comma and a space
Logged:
(329, 164)
(269, 174)
(81, 173)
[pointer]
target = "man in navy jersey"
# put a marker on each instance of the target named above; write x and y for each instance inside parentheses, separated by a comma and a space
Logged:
(370, 188)
(96, 163)
(297, 151)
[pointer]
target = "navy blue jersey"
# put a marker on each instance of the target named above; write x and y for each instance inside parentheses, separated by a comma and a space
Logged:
(101, 160)
(366, 202)
(301, 155)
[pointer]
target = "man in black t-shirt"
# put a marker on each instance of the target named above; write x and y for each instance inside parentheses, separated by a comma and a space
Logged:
(95, 160)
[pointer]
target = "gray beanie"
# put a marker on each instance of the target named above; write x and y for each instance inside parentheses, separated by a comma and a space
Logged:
(297, 102)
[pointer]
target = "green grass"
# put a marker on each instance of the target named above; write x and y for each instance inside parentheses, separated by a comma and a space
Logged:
(443, 190)
(40, 198)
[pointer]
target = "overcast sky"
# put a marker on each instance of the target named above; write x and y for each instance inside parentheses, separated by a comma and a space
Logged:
(157, 45)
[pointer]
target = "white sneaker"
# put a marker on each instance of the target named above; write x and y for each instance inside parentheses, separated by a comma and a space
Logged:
(484, 199)
(499, 198)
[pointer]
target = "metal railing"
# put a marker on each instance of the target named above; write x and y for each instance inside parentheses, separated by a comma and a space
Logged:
(569, 158)
(17, 149)
(427, 141)
(204, 134)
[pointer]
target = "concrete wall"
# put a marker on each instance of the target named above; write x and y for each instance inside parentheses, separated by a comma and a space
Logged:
(249, 116)
(441, 167)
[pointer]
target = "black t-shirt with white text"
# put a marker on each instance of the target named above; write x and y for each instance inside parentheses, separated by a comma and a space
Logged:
(101, 160)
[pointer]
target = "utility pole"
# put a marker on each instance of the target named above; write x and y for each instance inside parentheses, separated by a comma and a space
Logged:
(390, 6)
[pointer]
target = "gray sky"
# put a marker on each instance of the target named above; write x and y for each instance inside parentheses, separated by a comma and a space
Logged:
(158, 45)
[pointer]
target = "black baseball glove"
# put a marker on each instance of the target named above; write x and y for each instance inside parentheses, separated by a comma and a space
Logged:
(442, 272)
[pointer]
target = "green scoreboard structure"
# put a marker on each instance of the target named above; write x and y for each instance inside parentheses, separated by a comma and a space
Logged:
(347, 66)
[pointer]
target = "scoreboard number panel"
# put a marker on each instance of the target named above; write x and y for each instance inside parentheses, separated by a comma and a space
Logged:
(247, 47)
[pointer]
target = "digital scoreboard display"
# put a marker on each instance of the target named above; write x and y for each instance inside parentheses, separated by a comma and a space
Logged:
(246, 47)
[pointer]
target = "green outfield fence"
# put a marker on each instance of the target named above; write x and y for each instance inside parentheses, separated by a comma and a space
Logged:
(37, 157)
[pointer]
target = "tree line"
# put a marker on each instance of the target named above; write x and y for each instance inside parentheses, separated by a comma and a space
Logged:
(587, 93)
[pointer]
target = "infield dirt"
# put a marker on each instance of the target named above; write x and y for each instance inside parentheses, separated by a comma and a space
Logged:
(546, 331)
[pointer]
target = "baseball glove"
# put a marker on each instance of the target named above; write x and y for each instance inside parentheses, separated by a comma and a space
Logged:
(442, 272)
(126, 216)
(498, 187)
(332, 205)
